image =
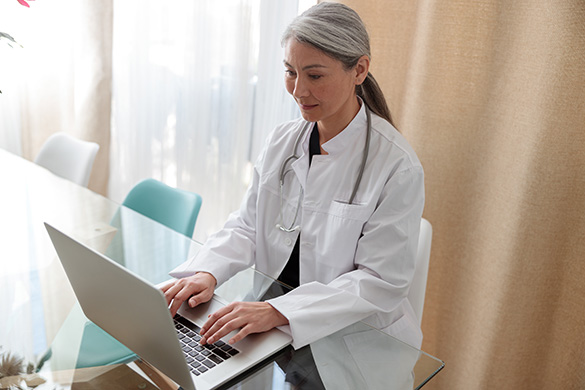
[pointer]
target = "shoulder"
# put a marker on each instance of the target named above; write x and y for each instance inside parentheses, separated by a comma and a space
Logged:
(283, 136)
(389, 145)
(280, 140)
(285, 131)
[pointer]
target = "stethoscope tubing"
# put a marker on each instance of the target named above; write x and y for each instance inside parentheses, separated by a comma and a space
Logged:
(358, 181)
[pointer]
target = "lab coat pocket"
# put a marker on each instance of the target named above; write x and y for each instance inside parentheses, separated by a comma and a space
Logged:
(353, 212)
(337, 231)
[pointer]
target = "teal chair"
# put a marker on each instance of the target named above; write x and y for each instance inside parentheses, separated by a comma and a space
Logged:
(174, 208)
(178, 209)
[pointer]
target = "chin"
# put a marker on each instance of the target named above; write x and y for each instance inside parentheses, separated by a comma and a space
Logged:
(309, 116)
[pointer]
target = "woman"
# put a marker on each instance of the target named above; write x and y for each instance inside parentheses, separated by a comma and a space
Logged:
(334, 207)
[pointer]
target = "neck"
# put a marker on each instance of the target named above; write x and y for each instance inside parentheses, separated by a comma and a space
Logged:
(330, 127)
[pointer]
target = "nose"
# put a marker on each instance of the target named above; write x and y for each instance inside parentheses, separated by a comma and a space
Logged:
(300, 88)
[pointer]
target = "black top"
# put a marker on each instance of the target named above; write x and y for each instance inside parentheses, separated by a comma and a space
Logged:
(290, 274)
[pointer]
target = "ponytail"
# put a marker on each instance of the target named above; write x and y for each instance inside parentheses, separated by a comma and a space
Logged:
(373, 97)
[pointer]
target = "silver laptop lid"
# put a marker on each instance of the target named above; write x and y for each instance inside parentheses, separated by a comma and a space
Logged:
(126, 306)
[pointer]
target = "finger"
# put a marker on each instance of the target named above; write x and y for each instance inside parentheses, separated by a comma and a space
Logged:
(223, 330)
(246, 330)
(220, 327)
(171, 292)
(213, 318)
(175, 305)
(177, 299)
(180, 292)
(168, 285)
(198, 298)
(204, 295)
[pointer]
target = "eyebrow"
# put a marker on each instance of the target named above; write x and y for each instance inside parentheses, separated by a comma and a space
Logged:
(312, 66)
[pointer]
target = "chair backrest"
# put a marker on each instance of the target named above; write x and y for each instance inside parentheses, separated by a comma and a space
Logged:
(178, 209)
(416, 294)
(68, 157)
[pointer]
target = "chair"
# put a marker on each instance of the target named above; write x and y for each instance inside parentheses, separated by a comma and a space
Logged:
(177, 209)
(418, 287)
(68, 157)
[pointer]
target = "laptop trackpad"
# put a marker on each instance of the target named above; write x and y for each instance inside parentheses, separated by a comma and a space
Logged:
(200, 313)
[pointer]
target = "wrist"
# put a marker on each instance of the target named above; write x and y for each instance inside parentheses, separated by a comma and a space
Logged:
(207, 275)
(281, 319)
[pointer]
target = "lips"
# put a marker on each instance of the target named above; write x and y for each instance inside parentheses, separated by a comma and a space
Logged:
(307, 107)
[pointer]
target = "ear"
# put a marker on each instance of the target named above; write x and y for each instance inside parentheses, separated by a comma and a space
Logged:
(361, 69)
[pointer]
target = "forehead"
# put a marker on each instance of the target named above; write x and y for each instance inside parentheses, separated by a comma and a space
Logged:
(299, 55)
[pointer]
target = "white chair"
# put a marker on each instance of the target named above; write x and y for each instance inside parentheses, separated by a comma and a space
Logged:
(68, 157)
(416, 295)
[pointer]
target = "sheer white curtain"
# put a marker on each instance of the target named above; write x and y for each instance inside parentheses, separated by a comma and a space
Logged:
(35, 71)
(60, 80)
(197, 86)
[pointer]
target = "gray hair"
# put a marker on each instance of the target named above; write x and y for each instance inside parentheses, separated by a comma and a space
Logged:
(339, 32)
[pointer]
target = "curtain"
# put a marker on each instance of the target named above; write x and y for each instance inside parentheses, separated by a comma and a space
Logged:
(197, 87)
(491, 96)
(60, 79)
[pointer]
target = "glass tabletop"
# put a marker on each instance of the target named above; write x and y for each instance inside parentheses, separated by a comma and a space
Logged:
(43, 325)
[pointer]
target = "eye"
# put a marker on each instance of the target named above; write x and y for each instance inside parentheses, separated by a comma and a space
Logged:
(315, 76)
(289, 73)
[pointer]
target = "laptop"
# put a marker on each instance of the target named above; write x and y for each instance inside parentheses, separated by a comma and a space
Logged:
(135, 312)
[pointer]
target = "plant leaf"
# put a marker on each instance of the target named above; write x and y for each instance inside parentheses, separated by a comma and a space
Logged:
(9, 38)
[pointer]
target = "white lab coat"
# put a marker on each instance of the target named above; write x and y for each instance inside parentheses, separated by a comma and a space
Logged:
(356, 261)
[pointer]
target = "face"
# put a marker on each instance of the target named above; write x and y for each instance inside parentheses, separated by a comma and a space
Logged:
(321, 86)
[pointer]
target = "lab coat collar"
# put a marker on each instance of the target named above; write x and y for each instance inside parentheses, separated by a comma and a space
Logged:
(335, 145)
(301, 165)
(349, 135)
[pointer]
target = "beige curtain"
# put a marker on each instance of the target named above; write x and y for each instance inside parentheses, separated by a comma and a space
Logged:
(68, 68)
(491, 94)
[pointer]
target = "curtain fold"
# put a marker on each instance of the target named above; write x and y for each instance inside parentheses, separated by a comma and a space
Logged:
(490, 94)
(92, 83)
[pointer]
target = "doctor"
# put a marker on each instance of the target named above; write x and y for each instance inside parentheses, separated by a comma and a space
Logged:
(334, 207)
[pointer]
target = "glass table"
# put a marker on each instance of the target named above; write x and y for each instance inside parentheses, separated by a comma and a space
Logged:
(43, 325)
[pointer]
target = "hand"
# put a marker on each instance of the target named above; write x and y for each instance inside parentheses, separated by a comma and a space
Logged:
(249, 317)
(196, 289)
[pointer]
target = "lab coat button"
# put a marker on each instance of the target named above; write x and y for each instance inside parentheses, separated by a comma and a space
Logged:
(288, 241)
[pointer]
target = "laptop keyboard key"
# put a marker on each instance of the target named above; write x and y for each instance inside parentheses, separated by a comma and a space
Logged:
(214, 359)
(195, 353)
(221, 354)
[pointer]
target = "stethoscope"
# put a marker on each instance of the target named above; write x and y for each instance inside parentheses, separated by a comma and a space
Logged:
(283, 171)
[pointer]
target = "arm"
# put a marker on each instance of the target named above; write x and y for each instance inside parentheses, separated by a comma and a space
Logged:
(226, 252)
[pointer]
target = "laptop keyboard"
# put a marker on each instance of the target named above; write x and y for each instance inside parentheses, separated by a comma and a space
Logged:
(200, 358)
